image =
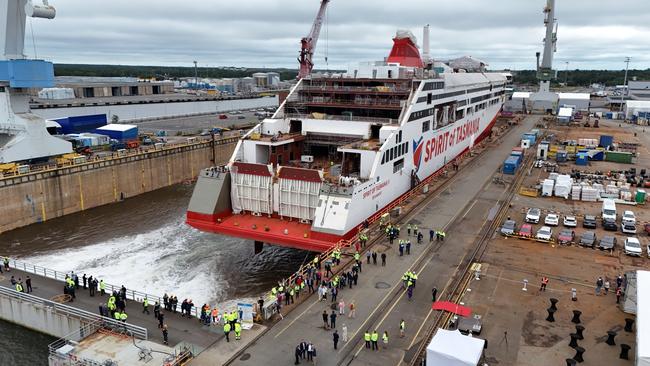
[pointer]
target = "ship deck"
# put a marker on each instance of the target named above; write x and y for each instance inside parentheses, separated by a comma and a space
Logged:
(272, 230)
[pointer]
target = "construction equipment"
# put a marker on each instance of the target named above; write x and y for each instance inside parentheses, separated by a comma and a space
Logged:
(309, 42)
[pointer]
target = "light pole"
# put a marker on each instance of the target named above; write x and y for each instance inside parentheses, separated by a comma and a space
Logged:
(627, 65)
(196, 76)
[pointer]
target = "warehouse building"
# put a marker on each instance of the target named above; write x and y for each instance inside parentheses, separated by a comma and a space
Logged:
(578, 100)
(100, 87)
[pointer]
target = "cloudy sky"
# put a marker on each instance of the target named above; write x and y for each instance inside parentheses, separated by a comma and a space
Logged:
(266, 33)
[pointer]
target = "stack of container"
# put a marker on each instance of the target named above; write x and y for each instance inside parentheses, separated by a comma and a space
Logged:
(517, 154)
(530, 137)
(510, 165)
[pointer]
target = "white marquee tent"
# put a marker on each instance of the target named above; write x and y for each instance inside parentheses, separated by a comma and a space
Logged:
(451, 348)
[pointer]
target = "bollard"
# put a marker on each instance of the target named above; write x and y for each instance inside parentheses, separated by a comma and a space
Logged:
(570, 362)
(629, 322)
(525, 284)
(579, 330)
(550, 317)
(574, 295)
(576, 316)
(610, 338)
(579, 352)
(625, 349)
(574, 340)
(553, 302)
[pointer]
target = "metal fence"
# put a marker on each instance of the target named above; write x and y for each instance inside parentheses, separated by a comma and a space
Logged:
(61, 275)
(85, 316)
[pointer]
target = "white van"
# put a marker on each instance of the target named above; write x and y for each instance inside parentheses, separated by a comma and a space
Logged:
(609, 209)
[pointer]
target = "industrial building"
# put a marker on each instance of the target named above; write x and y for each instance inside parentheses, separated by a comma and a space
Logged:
(639, 90)
(99, 87)
(520, 102)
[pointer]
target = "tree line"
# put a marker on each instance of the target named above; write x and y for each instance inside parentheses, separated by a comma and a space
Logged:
(583, 77)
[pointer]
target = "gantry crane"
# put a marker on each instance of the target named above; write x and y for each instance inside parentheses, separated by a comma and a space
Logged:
(309, 42)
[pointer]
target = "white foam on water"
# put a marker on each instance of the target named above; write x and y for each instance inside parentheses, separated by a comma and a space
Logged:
(166, 259)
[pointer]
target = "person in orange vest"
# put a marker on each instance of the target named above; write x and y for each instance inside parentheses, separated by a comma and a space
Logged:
(544, 283)
(215, 315)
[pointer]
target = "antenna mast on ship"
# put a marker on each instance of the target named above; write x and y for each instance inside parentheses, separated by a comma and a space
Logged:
(309, 42)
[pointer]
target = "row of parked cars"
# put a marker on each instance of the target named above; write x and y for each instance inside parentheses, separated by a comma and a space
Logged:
(567, 235)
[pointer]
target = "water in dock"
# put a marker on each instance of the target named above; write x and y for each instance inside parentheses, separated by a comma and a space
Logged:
(144, 244)
(21, 346)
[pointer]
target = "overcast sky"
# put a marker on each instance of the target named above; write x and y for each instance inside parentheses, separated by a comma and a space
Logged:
(266, 33)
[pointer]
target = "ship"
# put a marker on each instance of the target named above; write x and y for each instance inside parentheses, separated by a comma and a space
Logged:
(343, 147)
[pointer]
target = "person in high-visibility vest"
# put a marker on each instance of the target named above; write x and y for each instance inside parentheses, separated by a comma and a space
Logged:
(374, 338)
(145, 306)
(366, 337)
(19, 287)
(102, 287)
(123, 316)
(237, 331)
(384, 339)
(116, 315)
(226, 329)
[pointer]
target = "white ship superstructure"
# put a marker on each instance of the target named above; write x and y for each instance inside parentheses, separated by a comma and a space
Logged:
(340, 148)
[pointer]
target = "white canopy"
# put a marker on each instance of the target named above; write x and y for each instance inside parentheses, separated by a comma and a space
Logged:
(642, 318)
(451, 348)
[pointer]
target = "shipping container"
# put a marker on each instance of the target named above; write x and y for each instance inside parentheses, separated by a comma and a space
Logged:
(530, 137)
(619, 157)
(78, 124)
(561, 156)
(582, 159)
(606, 141)
(119, 132)
(510, 165)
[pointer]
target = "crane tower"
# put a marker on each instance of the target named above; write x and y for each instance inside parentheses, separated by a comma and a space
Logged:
(309, 42)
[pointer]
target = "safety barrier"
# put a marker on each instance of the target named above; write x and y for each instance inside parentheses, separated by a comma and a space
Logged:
(69, 311)
(134, 295)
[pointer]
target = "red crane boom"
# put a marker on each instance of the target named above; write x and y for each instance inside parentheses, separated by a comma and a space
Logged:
(309, 42)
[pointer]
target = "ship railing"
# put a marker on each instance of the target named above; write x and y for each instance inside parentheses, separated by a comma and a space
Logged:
(134, 295)
(383, 90)
(84, 316)
(361, 102)
(388, 121)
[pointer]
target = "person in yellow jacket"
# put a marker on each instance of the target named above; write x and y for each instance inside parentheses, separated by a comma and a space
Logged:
(237, 331)
(374, 337)
(384, 339)
(366, 337)
(123, 317)
(19, 287)
(226, 330)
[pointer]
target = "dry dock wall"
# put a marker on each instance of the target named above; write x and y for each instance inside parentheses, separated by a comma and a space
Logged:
(39, 317)
(42, 196)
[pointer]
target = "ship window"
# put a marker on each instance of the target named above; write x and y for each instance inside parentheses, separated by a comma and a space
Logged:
(2, 89)
(390, 154)
(429, 98)
(400, 136)
(399, 164)
(335, 203)
(320, 203)
(460, 114)
(272, 149)
(426, 126)
(407, 147)
(383, 157)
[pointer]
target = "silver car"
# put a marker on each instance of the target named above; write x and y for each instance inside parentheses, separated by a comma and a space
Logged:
(508, 227)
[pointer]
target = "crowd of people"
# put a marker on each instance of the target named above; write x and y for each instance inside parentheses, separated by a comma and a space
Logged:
(305, 351)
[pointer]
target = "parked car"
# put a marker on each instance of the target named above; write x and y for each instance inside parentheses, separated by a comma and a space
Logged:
(508, 227)
(526, 230)
(589, 222)
(533, 215)
(627, 227)
(629, 217)
(223, 116)
(566, 236)
(646, 228)
(570, 221)
(610, 225)
(544, 233)
(588, 239)
(633, 246)
(552, 219)
(607, 243)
